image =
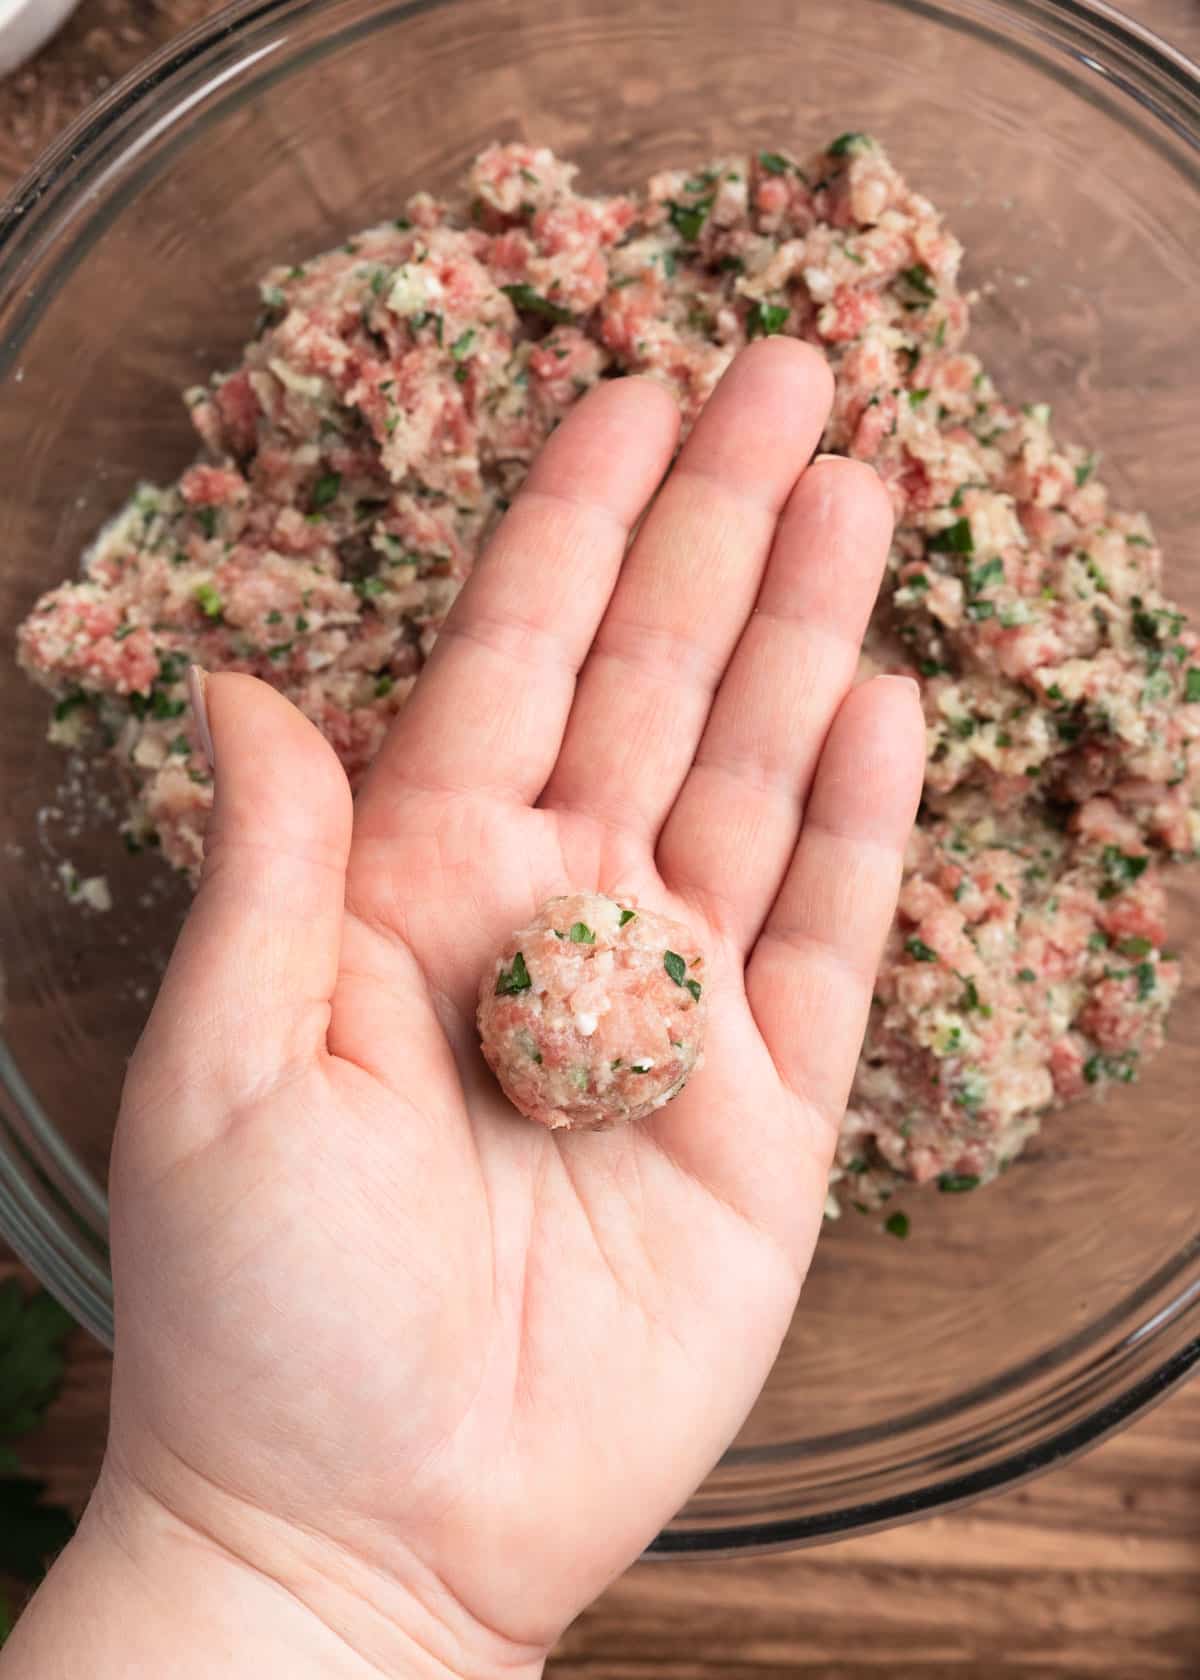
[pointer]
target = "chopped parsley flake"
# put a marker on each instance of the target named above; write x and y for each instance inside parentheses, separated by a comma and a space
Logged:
(1134, 947)
(1121, 1068)
(766, 319)
(953, 1184)
(919, 279)
(1191, 685)
(774, 163)
(897, 1225)
(954, 539)
(970, 999)
(515, 979)
(688, 219)
(626, 917)
(325, 490)
(524, 297)
(581, 934)
(992, 571)
(694, 987)
(849, 145)
(919, 951)
(68, 703)
(208, 600)
(675, 967)
(1026, 975)
(1120, 868)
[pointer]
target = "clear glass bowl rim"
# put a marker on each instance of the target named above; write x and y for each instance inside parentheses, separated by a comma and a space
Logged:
(1147, 70)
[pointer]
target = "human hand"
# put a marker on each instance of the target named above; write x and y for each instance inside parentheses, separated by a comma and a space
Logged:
(436, 1372)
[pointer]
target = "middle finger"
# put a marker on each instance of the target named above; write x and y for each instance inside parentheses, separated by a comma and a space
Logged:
(686, 590)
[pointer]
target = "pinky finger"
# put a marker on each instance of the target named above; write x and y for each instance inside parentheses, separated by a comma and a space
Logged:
(811, 975)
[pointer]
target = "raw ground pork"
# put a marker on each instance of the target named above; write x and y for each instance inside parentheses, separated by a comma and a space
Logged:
(594, 1014)
(387, 409)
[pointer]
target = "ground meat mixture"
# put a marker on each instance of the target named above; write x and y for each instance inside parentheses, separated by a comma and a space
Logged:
(594, 1014)
(397, 388)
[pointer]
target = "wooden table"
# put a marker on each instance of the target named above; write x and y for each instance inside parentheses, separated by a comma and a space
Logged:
(1093, 1570)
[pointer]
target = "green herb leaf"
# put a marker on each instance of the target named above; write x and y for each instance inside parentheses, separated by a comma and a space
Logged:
(1026, 975)
(581, 934)
(847, 145)
(515, 979)
(689, 219)
(953, 1184)
(626, 916)
(1191, 685)
(325, 490)
(694, 987)
(897, 1225)
(955, 539)
(180, 747)
(1134, 947)
(766, 319)
(1120, 868)
(675, 967)
(208, 600)
(1084, 471)
(462, 344)
(383, 686)
(919, 279)
(919, 951)
(1146, 980)
(524, 297)
(774, 163)
(69, 703)
(992, 571)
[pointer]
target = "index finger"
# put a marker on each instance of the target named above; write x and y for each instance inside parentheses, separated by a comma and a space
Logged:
(488, 711)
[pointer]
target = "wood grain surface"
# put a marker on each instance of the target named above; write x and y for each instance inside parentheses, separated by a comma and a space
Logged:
(1091, 1570)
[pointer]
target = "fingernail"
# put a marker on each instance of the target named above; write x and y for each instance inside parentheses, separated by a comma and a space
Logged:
(899, 678)
(826, 457)
(197, 683)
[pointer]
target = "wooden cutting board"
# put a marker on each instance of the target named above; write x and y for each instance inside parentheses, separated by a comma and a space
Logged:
(1092, 1570)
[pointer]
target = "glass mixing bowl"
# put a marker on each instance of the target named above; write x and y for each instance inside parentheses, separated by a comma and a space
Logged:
(1013, 1326)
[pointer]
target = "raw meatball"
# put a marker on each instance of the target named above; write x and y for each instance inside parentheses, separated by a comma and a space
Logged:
(594, 1013)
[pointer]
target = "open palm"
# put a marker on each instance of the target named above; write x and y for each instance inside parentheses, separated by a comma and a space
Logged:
(359, 1299)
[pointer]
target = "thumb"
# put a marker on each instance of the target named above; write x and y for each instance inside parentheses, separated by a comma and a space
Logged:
(245, 1000)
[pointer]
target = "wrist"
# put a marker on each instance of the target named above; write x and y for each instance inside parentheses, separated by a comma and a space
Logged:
(142, 1591)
